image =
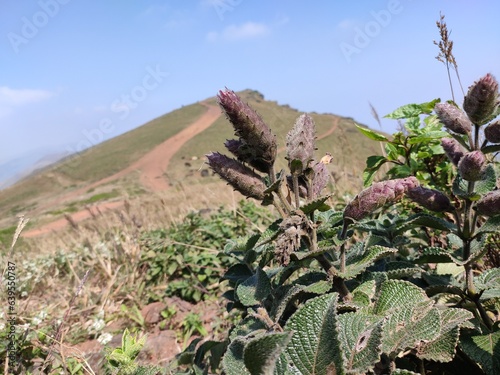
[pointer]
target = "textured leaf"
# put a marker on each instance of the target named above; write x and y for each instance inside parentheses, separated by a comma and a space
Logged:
(232, 362)
(488, 182)
(371, 134)
(489, 279)
(492, 225)
(400, 269)
(319, 287)
(428, 221)
(314, 347)
(410, 316)
(442, 349)
(364, 293)
(260, 354)
(316, 204)
(357, 264)
(484, 350)
(255, 289)
(360, 338)
(246, 326)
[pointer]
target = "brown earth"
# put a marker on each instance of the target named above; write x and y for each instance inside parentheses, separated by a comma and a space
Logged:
(152, 167)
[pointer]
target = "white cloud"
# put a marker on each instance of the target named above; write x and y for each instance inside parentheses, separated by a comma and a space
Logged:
(10, 98)
(247, 30)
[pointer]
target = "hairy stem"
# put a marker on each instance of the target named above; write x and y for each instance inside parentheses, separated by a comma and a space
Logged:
(295, 183)
(337, 281)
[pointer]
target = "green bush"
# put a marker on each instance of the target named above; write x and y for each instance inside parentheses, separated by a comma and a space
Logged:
(186, 258)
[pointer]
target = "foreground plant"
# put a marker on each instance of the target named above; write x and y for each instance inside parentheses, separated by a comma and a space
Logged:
(344, 292)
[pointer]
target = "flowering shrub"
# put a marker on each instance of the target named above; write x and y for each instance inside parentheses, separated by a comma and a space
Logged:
(372, 289)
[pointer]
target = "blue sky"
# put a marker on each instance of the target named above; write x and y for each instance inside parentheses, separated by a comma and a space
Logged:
(75, 72)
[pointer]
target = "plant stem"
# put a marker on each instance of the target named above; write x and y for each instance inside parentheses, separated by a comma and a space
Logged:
(342, 258)
(295, 182)
(337, 281)
(279, 192)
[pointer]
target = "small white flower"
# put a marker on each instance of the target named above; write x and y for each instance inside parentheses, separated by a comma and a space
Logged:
(105, 338)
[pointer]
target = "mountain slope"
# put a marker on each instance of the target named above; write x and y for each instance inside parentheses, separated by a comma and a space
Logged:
(117, 168)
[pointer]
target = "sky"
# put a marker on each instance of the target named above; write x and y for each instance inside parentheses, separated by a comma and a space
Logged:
(74, 73)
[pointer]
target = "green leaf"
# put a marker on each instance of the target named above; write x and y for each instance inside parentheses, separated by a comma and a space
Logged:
(442, 349)
(316, 204)
(413, 110)
(360, 338)
(260, 354)
(371, 134)
(319, 287)
(428, 221)
(373, 164)
(426, 137)
(484, 350)
(489, 279)
(410, 316)
(360, 262)
(492, 225)
(232, 362)
(255, 289)
(314, 347)
(490, 149)
(488, 182)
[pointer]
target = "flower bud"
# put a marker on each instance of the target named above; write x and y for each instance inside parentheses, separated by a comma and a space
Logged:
(320, 179)
(250, 127)
(481, 100)
(453, 118)
(471, 166)
(300, 143)
(246, 154)
(431, 199)
(489, 205)
(492, 132)
(377, 195)
(239, 176)
(453, 149)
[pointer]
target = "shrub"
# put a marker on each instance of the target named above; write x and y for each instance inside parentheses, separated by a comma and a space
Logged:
(394, 283)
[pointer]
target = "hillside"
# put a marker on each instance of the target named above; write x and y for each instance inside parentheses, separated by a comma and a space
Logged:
(126, 167)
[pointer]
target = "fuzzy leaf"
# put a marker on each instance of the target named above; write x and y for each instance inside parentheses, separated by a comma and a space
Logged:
(492, 225)
(410, 316)
(428, 221)
(489, 279)
(319, 287)
(360, 338)
(314, 347)
(442, 349)
(360, 262)
(255, 289)
(484, 350)
(316, 204)
(232, 362)
(260, 354)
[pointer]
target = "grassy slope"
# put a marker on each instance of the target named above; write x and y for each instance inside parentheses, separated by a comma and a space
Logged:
(98, 162)
(348, 147)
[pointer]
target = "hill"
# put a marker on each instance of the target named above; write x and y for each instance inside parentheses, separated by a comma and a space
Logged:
(166, 157)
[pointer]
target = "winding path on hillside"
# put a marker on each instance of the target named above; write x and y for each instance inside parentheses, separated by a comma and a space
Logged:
(152, 167)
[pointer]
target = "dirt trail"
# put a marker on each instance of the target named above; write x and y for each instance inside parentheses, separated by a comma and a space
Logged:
(152, 167)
